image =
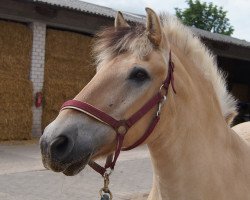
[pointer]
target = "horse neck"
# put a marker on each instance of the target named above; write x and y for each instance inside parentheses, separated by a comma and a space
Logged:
(188, 146)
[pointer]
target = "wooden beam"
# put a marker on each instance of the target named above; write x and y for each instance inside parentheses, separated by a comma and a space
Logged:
(228, 50)
(55, 17)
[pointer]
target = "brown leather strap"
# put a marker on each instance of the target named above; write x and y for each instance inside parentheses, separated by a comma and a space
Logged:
(145, 135)
(120, 139)
(109, 160)
(111, 164)
(144, 109)
(105, 118)
(91, 111)
(98, 168)
(170, 76)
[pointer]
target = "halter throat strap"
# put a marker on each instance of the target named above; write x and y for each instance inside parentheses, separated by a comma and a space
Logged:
(122, 126)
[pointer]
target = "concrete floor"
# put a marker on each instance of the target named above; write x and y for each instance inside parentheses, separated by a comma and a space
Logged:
(22, 177)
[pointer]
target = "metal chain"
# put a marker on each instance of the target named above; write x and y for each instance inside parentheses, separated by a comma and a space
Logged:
(105, 193)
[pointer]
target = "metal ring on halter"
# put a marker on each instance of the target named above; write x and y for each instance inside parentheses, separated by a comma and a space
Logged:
(160, 106)
(163, 91)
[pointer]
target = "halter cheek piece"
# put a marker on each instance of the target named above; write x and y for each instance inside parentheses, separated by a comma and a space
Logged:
(121, 127)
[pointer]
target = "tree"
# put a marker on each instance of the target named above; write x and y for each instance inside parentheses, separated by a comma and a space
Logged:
(205, 16)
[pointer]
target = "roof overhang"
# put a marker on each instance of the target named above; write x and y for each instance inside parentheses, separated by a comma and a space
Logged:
(88, 18)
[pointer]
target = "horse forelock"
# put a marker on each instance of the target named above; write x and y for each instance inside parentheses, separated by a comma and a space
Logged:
(111, 42)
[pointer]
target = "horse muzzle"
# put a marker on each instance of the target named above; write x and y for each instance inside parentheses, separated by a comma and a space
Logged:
(68, 144)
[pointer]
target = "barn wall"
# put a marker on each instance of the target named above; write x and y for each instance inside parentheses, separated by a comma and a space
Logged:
(67, 69)
(16, 88)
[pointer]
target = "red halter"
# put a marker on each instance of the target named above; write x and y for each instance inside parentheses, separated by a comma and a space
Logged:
(121, 126)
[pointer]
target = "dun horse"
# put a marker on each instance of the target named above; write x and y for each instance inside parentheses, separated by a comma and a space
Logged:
(194, 152)
(243, 130)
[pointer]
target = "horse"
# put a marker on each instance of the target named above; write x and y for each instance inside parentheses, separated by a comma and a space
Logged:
(194, 152)
(243, 129)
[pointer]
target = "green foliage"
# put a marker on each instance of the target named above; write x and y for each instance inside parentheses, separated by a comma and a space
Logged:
(205, 16)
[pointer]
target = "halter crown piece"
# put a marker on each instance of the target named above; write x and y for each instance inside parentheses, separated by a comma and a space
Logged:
(122, 126)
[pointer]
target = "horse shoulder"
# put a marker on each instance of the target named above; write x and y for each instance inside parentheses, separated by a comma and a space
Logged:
(243, 130)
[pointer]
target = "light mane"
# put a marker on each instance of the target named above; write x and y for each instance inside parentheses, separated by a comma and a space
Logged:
(111, 42)
(182, 37)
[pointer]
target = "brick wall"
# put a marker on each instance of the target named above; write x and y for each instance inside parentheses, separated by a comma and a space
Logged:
(37, 71)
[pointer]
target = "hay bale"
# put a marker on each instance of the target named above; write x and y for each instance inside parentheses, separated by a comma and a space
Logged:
(15, 106)
(67, 44)
(67, 69)
(16, 126)
(56, 95)
(15, 43)
(16, 89)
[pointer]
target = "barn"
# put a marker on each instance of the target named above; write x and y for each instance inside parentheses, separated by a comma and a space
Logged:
(45, 59)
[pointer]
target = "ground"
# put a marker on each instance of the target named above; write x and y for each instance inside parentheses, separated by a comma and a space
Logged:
(22, 176)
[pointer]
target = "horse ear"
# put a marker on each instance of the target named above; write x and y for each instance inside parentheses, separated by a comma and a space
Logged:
(120, 21)
(153, 27)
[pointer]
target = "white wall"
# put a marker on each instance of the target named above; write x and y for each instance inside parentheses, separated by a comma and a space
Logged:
(37, 71)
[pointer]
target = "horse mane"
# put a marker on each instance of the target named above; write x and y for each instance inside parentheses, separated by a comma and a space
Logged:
(182, 37)
(112, 41)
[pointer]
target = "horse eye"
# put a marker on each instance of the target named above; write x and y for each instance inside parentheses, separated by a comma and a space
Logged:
(138, 74)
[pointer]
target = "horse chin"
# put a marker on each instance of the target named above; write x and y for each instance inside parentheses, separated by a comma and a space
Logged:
(74, 169)
(69, 169)
(77, 166)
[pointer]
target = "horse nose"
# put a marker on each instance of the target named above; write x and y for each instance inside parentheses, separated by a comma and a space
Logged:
(61, 147)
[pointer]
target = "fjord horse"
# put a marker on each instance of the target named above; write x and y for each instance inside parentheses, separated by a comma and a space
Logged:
(195, 154)
(243, 129)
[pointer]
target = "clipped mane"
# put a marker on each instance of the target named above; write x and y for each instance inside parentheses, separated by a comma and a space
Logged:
(111, 42)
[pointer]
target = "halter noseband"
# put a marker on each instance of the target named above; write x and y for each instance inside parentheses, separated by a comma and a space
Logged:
(122, 126)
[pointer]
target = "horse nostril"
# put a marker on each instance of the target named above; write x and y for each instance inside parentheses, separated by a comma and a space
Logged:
(61, 147)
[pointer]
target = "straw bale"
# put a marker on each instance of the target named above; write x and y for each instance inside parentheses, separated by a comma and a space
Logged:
(63, 68)
(15, 43)
(67, 69)
(16, 89)
(55, 95)
(67, 44)
(15, 107)
(15, 124)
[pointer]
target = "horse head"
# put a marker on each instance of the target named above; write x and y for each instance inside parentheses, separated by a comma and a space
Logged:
(132, 63)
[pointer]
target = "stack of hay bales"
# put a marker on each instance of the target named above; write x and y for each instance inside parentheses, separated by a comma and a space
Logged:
(16, 89)
(67, 69)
